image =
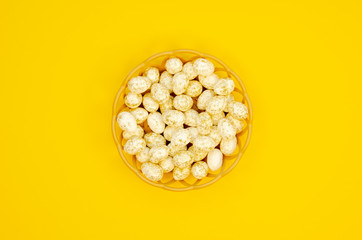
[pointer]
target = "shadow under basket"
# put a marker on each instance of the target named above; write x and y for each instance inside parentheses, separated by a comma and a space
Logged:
(167, 182)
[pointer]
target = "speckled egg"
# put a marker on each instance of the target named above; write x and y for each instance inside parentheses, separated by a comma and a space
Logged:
(203, 67)
(144, 155)
(199, 169)
(139, 84)
(134, 145)
(204, 123)
(158, 153)
(152, 171)
(169, 131)
(191, 117)
(203, 143)
(168, 105)
(174, 118)
(140, 114)
(127, 122)
(179, 83)
(197, 155)
(189, 70)
(224, 86)
(154, 139)
(182, 102)
(152, 73)
(167, 165)
(225, 128)
(133, 100)
(216, 117)
(166, 80)
(238, 110)
(216, 105)
(204, 99)
(173, 65)
(181, 173)
(209, 81)
(228, 146)
(194, 89)
(181, 137)
(149, 103)
(139, 133)
(182, 159)
(159, 93)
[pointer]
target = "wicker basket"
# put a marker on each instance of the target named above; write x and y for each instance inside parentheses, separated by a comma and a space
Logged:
(167, 182)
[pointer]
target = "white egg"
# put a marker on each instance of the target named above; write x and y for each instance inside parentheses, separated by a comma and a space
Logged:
(214, 159)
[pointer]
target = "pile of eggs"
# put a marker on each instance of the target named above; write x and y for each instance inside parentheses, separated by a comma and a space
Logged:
(184, 120)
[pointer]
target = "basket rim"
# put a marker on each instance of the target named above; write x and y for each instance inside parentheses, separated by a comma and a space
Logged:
(115, 112)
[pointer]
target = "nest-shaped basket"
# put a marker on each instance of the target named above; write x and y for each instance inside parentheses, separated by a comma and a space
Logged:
(167, 182)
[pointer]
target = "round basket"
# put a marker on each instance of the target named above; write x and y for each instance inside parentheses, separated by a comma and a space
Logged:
(167, 182)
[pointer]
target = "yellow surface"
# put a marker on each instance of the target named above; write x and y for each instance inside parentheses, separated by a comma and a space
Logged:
(61, 64)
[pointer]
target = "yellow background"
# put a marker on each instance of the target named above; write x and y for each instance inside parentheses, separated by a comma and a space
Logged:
(62, 62)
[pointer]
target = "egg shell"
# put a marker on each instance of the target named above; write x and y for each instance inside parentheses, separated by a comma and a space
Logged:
(225, 128)
(199, 169)
(139, 133)
(159, 93)
(169, 131)
(182, 159)
(140, 114)
(179, 83)
(216, 117)
(181, 173)
(228, 146)
(152, 171)
(173, 149)
(216, 105)
(154, 139)
(133, 100)
(134, 145)
(204, 99)
(167, 165)
(203, 67)
(168, 105)
(127, 122)
(182, 102)
(189, 70)
(153, 74)
(181, 137)
(209, 81)
(238, 110)
(139, 84)
(203, 143)
(149, 103)
(158, 153)
(174, 118)
(214, 159)
(194, 89)
(144, 155)
(155, 122)
(224, 86)
(191, 117)
(197, 155)
(173, 65)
